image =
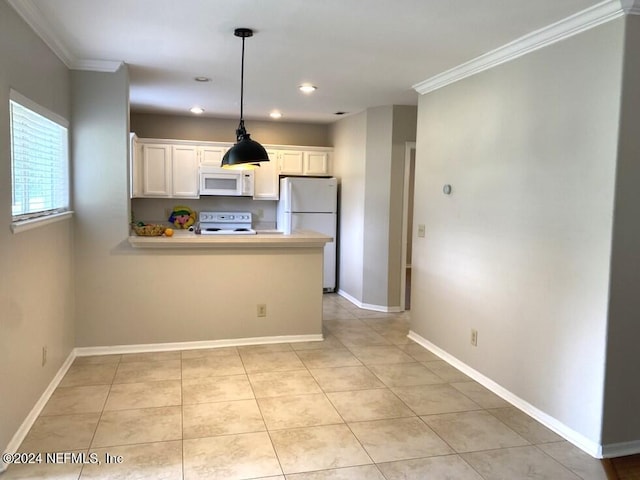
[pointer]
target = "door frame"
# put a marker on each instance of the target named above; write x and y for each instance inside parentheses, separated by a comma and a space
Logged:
(408, 147)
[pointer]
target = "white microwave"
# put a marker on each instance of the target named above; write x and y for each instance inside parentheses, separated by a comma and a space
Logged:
(223, 182)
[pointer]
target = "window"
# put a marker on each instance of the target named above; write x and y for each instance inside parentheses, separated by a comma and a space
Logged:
(39, 160)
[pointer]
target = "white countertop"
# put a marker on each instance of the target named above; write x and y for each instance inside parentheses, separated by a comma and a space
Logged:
(266, 239)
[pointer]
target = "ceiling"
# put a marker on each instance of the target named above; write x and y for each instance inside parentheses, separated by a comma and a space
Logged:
(359, 53)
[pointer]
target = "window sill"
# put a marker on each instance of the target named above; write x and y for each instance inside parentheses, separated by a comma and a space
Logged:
(24, 225)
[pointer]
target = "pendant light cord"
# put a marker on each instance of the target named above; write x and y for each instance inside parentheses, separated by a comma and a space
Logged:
(242, 84)
(246, 153)
(241, 132)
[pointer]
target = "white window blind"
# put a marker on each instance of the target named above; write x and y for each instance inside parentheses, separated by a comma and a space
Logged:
(39, 160)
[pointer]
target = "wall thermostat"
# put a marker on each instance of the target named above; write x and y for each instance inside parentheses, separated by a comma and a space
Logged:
(446, 189)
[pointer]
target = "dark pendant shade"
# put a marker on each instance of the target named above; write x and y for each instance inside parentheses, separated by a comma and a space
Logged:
(246, 152)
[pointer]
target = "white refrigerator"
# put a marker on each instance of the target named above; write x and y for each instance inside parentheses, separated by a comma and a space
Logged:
(311, 204)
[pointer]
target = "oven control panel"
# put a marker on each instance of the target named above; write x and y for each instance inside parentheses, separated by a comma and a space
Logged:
(225, 217)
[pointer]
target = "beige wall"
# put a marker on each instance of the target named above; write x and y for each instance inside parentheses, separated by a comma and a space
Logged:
(520, 251)
(404, 130)
(377, 193)
(349, 155)
(151, 296)
(369, 151)
(147, 125)
(622, 394)
(36, 277)
(130, 296)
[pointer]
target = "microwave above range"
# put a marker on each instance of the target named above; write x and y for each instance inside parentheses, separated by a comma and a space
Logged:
(229, 183)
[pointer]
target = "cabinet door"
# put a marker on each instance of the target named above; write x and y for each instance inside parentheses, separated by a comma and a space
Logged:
(184, 171)
(316, 163)
(156, 170)
(265, 178)
(291, 162)
(212, 156)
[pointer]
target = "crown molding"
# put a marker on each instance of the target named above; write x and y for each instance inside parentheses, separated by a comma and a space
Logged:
(30, 13)
(109, 66)
(572, 25)
(600, 13)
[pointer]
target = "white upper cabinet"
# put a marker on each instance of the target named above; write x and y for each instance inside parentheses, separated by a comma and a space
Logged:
(184, 171)
(316, 163)
(266, 186)
(171, 168)
(211, 156)
(291, 162)
(299, 162)
(164, 170)
(156, 170)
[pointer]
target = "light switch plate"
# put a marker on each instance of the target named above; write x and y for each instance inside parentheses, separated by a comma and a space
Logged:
(421, 231)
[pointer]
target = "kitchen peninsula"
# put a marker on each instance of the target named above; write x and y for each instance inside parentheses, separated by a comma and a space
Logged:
(198, 291)
(306, 239)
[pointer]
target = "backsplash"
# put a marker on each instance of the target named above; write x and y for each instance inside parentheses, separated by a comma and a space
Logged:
(157, 210)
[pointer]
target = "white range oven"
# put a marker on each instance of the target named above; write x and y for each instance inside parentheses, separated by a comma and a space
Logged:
(225, 223)
(223, 182)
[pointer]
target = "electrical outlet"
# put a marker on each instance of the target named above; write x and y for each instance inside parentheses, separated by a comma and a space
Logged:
(262, 310)
(474, 337)
(44, 356)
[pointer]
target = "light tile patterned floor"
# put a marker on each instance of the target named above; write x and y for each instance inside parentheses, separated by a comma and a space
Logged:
(366, 403)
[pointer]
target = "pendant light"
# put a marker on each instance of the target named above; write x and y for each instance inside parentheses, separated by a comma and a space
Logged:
(246, 152)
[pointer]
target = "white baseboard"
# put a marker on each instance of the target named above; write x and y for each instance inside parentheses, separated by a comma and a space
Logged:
(369, 306)
(28, 422)
(167, 347)
(612, 450)
(583, 443)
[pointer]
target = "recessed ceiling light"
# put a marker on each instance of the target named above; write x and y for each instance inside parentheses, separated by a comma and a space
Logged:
(202, 79)
(197, 110)
(275, 114)
(306, 88)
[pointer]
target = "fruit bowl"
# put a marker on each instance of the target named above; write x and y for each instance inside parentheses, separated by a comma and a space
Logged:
(149, 230)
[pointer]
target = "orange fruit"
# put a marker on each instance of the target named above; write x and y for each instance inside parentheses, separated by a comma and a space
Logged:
(169, 232)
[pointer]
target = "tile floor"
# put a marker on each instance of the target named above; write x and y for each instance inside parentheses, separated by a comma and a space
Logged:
(366, 403)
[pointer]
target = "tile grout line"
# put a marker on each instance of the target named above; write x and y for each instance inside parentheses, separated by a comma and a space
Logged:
(255, 398)
(557, 461)
(326, 393)
(101, 413)
(181, 417)
(388, 387)
(343, 420)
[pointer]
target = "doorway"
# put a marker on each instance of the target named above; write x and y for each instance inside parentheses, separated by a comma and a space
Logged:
(407, 222)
